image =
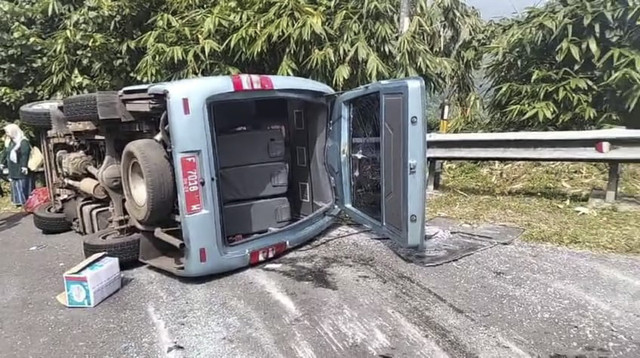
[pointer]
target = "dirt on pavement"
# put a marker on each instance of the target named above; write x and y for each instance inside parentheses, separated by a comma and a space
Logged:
(336, 297)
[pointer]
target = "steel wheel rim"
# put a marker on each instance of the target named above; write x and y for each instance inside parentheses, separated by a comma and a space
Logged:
(137, 185)
(111, 235)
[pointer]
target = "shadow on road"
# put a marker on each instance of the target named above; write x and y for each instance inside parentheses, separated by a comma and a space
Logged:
(9, 220)
(196, 280)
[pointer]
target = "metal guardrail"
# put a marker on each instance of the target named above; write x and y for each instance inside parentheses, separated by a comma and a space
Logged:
(613, 146)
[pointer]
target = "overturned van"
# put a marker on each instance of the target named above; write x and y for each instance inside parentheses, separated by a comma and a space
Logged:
(208, 175)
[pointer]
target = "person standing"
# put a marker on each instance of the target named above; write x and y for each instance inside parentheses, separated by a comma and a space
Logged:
(15, 158)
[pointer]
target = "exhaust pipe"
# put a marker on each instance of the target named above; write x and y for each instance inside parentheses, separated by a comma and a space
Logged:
(169, 239)
(89, 186)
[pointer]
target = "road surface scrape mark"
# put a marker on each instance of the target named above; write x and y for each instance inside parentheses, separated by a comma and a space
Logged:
(302, 348)
(276, 293)
(354, 330)
(576, 292)
(327, 333)
(414, 334)
(613, 274)
(515, 349)
(164, 339)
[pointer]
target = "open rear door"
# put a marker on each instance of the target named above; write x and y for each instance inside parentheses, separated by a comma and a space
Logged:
(376, 155)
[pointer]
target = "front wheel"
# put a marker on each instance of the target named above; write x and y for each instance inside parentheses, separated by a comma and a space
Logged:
(126, 248)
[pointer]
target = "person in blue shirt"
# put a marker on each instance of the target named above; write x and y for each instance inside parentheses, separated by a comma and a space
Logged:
(14, 161)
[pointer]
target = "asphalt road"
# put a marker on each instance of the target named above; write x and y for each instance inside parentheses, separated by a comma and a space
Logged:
(346, 297)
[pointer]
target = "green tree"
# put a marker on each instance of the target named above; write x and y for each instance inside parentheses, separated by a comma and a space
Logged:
(91, 48)
(570, 64)
(54, 48)
(50, 48)
(22, 54)
(343, 43)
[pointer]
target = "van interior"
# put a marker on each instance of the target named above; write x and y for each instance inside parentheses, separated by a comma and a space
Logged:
(270, 158)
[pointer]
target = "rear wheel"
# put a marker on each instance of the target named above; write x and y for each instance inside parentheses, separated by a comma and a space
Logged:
(148, 181)
(126, 248)
(38, 114)
(47, 220)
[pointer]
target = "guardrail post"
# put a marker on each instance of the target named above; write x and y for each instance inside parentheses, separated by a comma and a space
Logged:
(435, 167)
(612, 185)
(431, 176)
(437, 176)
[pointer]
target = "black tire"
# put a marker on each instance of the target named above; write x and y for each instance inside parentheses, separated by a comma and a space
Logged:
(147, 172)
(38, 114)
(87, 107)
(49, 221)
(125, 248)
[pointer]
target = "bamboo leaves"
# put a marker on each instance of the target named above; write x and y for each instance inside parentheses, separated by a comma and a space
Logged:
(570, 64)
(342, 43)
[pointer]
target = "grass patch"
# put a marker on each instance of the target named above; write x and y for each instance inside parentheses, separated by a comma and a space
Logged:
(543, 198)
(547, 199)
(5, 201)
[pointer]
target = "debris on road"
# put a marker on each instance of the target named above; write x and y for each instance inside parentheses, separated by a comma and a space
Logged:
(436, 233)
(272, 266)
(446, 240)
(91, 281)
(175, 347)
(38, 247)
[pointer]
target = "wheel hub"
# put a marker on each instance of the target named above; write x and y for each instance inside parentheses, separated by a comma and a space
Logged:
(137, 185)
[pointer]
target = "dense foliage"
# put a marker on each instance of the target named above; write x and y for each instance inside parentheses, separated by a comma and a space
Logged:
(22, 54)
(343, 43)
(570, 64)
(54, 48)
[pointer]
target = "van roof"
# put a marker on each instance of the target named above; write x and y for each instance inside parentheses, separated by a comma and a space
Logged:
(223, 84)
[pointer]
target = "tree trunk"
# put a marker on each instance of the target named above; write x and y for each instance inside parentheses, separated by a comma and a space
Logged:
(403, 24)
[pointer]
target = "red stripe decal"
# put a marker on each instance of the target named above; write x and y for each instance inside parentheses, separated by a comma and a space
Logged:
(266, 83)
(185, 106)
(237, 83)
(244, 82)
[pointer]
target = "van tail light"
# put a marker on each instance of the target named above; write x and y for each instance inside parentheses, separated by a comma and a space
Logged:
(203, 254)
(267, 253)
(185, 106)
(245, 82)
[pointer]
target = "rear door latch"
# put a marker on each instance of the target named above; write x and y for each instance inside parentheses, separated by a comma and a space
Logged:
(412, 166)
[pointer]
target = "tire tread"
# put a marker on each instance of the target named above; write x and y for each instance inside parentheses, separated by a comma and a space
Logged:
(126, 249)
(50, 223)
(84, 107)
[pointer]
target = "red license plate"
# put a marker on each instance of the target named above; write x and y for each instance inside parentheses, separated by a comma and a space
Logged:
(191, 184)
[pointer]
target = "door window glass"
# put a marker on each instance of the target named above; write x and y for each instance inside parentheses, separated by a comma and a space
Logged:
(365, 155)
